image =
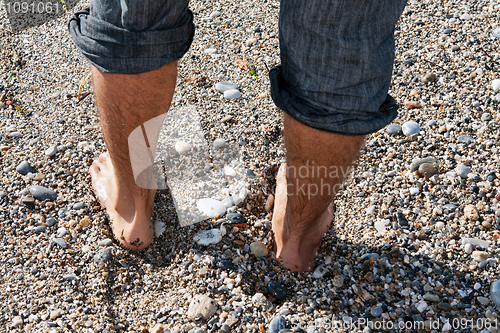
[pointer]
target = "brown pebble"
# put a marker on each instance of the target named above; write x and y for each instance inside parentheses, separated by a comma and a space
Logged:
(39, 176)
(412, 105)
(370, 277)
(269, 202)
(486, 224)
(427, 170)
(28, 200)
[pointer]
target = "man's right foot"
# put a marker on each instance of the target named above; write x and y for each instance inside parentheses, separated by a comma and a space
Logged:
(297, 252)
(129, 210)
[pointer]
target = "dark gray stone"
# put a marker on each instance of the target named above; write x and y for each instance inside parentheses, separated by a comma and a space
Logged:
(225, 264)
(277, 290)
(40, 228)
(63, 213)
(402, 221)
(50, 222)
(277, 324)
(103, 256)
(78, 205)
(235, 218)
(24, 167)
(367, 256)
(250, 174)
(377, 311)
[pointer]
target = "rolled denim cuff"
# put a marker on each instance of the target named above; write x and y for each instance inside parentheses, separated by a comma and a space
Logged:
(328, 118)
(114, 49)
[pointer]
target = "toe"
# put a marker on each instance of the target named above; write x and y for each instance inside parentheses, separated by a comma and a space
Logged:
(281, 177)
(94, 169)
(104, 157)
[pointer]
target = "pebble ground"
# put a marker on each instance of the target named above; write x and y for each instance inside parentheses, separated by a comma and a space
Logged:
(414, 241)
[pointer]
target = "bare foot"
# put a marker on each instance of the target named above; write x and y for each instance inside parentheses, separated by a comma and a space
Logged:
(297, 252)
(128, 206)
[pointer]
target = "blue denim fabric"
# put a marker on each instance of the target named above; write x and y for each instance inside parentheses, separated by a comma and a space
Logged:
(336, 63)
(130, 36)
(336, 55)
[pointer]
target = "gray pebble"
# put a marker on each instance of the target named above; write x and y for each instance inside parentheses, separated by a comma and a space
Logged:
(105, 242)
(51, 222)
(429, 77)
(431, 297)
(63, 213)
(462, 170)
(42, 193)
(231, 201)
(410, 128)
(78, 205)
(24, 167)
(465, 139)
(376, 311)
(367, 256)
(61, 242)
(483, 264)
(235, 218)
(250, 174)
(277, 324)
(61, 232)
(232, 94)
(486, 117)
(220, 144)
(430, 123)
(224, 86)
(40, 228)
(104, 255)
(51, 151)
(215, 13)
(284, 311)
(393, 129)
(417, 163)
(450, 207)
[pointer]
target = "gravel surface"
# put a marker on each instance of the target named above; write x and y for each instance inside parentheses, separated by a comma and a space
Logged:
(415, 238)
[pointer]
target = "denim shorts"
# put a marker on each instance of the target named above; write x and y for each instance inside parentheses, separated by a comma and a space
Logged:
(336, 55)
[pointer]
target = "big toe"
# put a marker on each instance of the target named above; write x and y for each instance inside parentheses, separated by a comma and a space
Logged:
(103, 158)
(281, 176)
(94, 169)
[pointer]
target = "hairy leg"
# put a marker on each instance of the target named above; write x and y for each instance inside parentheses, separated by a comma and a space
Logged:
(317, 164)
(126, 102)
